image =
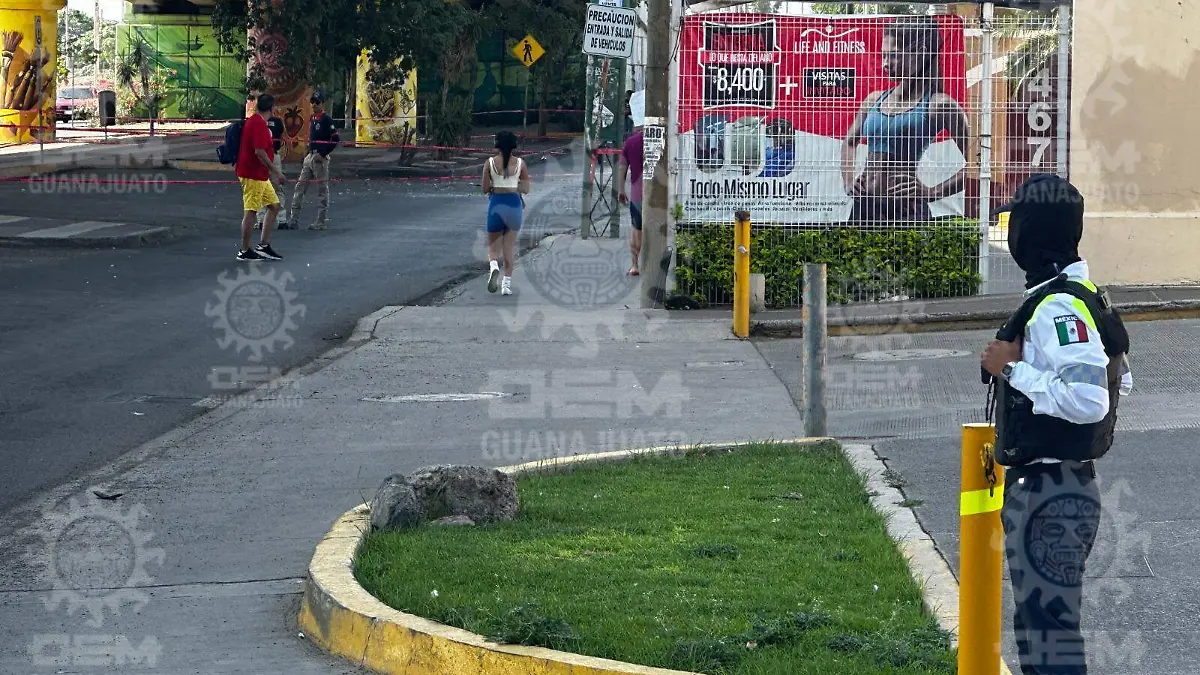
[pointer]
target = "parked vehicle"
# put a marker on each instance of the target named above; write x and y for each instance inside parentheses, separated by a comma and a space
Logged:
(75, 103)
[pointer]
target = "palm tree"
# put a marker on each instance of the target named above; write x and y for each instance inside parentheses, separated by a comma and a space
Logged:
(1038, 36)
(136, 72)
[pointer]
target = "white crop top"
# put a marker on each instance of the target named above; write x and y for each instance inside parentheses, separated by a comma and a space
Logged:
(512, 180)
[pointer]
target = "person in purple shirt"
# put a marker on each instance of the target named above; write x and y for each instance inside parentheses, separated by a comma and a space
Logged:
(632, 158)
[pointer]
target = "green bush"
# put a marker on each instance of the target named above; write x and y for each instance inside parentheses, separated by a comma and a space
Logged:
(926, 260)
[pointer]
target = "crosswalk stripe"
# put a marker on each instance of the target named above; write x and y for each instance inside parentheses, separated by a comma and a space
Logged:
(68, 230)
(4, 220)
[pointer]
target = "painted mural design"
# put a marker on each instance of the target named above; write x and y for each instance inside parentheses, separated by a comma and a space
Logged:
(26, 88)
(385, 115)
(291, 92)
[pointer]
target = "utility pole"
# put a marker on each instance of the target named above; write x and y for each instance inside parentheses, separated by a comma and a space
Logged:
(655, 200)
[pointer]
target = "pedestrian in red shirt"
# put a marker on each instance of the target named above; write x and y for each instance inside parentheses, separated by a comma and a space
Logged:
(255, 169)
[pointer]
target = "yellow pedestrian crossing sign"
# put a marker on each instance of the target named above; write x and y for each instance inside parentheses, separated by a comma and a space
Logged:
(528, 50)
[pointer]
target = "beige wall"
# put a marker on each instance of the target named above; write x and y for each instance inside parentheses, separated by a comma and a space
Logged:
(1135, 149)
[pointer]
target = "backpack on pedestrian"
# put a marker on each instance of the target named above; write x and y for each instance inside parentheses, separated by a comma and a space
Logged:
(227, 152)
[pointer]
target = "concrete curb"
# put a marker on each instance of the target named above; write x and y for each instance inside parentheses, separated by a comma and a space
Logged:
(146, 238)
(929, 569)
(343, 618)
(949, 321)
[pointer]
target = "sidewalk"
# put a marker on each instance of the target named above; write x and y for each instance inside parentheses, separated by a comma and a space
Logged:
(966, 313)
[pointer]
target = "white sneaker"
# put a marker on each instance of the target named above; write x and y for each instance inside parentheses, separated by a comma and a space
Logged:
(506, 287)
(494, 277)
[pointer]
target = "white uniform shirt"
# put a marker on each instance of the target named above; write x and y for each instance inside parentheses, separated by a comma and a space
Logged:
(1063, 367)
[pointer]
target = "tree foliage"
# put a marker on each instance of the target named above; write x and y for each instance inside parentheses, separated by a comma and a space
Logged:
(77, 47)
(558, 26)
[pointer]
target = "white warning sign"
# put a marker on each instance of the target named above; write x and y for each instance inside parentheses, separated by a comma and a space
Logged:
(609, 32)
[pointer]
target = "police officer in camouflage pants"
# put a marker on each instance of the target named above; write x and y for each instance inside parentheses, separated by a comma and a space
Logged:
(1059, 369)
(322, 140)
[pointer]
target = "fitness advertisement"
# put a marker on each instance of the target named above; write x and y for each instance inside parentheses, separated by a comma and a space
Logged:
(817, 120)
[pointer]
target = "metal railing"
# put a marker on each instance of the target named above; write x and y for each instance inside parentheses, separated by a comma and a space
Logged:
(879, 145)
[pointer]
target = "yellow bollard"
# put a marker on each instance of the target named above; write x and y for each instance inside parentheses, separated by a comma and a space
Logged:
(741, 275)
(981, 554)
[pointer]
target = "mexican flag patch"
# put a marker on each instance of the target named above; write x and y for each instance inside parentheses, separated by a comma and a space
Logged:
(1071, 330)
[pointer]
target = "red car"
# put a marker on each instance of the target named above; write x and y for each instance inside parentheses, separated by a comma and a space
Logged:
(75, 102)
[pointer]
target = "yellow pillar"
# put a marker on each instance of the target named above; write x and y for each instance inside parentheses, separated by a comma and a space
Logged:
(981, 555)
(384, 116)
(27, 69)
(741, 275)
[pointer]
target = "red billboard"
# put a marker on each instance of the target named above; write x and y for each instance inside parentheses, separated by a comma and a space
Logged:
(806, 119)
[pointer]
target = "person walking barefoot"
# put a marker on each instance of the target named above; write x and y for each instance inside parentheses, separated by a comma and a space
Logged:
(505, 180)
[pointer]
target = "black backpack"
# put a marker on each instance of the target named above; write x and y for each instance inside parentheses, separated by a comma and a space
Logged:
(227, 152)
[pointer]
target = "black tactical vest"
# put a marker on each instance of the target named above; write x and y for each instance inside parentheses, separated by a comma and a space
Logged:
(1022, 435)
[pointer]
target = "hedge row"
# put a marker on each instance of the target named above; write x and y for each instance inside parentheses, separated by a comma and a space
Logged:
(926, 260)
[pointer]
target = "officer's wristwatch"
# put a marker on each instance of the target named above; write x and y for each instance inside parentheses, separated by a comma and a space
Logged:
(1007, 371)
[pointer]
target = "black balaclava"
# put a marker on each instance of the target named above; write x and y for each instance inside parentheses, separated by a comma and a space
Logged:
(1044, 227)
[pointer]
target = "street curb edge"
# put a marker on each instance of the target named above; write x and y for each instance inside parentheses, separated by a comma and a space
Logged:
(340, 616)
(947, 322)
(928, 567)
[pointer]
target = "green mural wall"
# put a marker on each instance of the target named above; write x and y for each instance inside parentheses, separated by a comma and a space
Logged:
(499, 84)
(207, 81)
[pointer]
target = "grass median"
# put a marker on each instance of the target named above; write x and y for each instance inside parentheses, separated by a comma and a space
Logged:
(762, 560)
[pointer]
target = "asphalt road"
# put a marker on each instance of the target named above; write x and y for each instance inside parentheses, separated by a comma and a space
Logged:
(103, 350)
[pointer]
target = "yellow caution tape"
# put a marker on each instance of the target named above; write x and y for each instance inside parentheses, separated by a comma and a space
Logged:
(981, 501)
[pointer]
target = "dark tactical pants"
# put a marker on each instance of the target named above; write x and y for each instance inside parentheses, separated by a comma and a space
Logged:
(1051, 514)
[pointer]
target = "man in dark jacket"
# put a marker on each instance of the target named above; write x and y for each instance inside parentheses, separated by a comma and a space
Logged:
(1060, 365)
(322, 140)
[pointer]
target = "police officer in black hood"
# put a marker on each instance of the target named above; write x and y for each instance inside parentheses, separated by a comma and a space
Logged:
(1058, 367)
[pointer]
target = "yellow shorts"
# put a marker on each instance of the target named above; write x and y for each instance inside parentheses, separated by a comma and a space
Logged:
(257, 193)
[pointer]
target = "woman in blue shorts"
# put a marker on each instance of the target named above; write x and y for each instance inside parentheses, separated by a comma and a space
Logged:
(505, 179)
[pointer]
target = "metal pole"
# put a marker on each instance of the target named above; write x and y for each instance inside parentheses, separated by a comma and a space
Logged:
(525, 111)
(985, 149)
(671, 149)
(585, 211)
(1064, 90)
(741, 274)
(655, 195)
(980, 566)
(815, 339)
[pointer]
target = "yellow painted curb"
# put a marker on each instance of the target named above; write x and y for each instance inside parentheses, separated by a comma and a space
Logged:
(340, 616)
(197, 165)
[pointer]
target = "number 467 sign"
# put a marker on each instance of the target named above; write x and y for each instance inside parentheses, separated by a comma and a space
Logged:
(1034, 117)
